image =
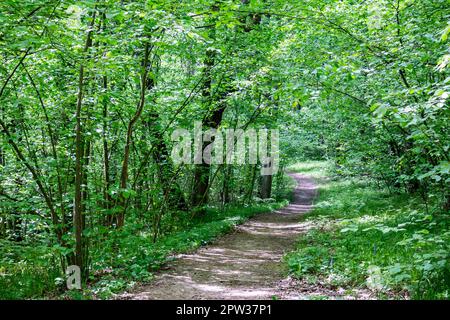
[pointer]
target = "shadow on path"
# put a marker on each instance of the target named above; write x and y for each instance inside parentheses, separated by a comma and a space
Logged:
(241, 265)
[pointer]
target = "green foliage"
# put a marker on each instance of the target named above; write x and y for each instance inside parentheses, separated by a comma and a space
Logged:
(364, 85)
(365, 237)
(132, 256)
(124, 257)
(27, 272)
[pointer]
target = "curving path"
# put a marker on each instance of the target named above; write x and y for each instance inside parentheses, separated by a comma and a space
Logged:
(241, 265)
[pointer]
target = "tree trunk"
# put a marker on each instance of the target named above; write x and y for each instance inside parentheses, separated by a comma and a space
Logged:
(79, 158)
(202, 171)
(266, 184)
(161, 157)
(106, 166)
(126, 154)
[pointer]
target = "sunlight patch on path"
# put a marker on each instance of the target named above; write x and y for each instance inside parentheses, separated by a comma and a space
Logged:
(245, 264)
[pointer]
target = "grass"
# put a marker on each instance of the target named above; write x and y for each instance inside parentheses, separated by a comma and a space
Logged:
(119, 260)
(368, 238)
(26, 271)
(134, 258)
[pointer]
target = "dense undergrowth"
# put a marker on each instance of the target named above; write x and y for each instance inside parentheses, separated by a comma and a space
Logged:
(119, 259)
(366, 237)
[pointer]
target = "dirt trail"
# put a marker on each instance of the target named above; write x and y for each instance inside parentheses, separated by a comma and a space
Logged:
(241, 265)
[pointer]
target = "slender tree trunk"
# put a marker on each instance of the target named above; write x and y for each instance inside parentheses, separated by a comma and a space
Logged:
(254, 170)
(166, 170)
(126, 154)
(227, 178)
(266, 184)
(79, 155)
(106, 166)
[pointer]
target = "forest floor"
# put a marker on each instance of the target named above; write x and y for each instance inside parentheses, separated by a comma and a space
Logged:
(245, 264)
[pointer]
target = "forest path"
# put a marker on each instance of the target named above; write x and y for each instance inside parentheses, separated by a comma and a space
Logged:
(245, 264)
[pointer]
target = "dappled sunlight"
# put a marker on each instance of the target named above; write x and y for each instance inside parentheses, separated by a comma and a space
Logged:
(294, 209)
(245, 264)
